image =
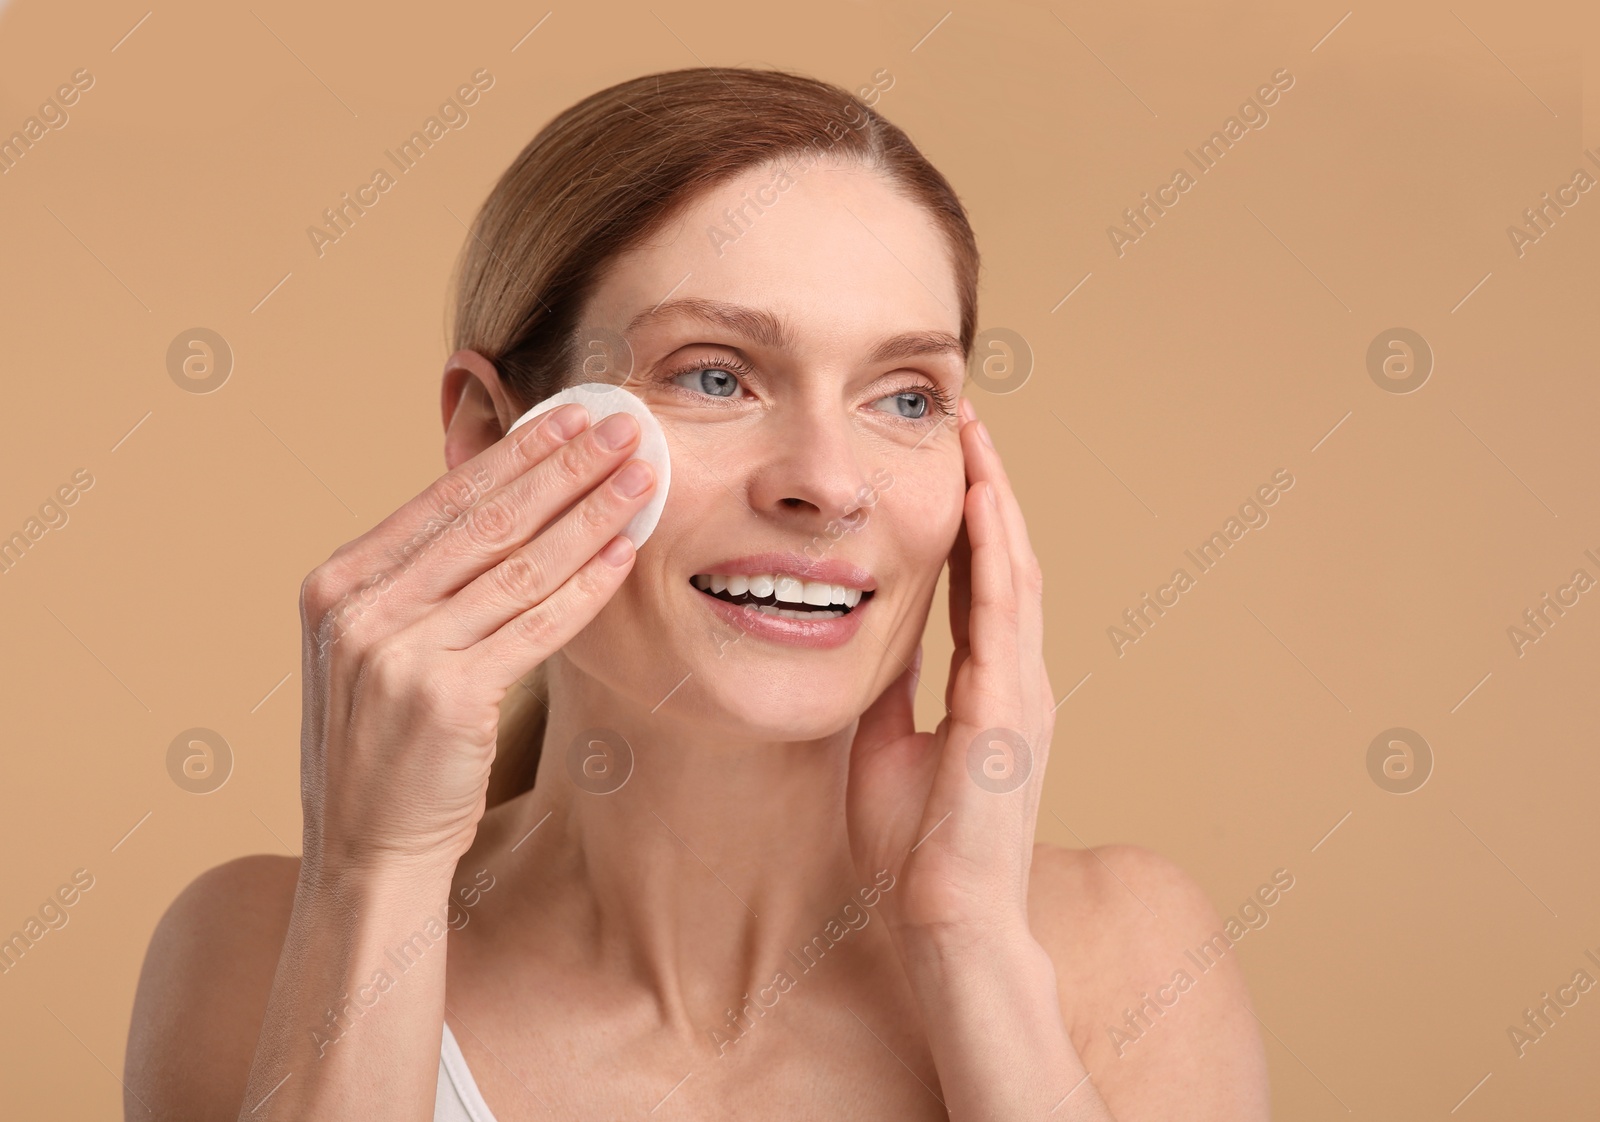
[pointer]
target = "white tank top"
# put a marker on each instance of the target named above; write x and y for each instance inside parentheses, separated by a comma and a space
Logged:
(458, 1098)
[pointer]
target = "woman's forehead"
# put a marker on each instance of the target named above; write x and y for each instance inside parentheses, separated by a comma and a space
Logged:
(837, 235)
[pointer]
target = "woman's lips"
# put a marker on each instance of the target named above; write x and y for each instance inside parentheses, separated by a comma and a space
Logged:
(829, 569)
(822, 634)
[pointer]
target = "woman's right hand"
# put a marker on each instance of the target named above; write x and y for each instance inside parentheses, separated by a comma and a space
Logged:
(414, 632)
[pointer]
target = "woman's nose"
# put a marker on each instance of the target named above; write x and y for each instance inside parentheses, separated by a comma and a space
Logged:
(812, 466)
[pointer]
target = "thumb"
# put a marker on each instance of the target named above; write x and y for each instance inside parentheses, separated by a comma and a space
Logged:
(893, 714)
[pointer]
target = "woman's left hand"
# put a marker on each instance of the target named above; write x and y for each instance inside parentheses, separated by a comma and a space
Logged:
(951, 813)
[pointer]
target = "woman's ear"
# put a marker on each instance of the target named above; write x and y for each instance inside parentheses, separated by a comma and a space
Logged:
(476, 406)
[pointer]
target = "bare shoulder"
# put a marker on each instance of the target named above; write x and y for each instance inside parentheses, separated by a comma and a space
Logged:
(203, 989)
(1149, 983)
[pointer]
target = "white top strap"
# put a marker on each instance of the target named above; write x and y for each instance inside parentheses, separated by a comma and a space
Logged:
(458, 1098)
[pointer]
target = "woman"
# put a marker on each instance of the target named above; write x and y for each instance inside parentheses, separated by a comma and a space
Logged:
(714, 870)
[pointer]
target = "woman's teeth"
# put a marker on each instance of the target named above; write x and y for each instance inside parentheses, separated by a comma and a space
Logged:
(814, 599)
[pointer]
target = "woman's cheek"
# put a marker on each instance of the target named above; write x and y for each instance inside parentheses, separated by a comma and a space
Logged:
(925, 507)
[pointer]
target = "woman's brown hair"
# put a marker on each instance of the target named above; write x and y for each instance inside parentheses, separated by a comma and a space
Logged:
(602, 177)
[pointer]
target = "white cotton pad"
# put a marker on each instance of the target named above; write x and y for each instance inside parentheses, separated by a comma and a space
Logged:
(602, 399)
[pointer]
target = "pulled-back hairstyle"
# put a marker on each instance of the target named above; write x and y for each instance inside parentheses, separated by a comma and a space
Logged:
(605, 175)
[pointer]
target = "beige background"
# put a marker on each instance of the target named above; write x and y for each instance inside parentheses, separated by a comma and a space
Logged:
(1229, 343)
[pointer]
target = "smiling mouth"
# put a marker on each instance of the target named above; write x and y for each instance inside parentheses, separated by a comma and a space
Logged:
(784, 596)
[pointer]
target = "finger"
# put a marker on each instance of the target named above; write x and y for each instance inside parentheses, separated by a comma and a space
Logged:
(532, 572)
(983, 462)
(532, 636)
(960, 606)
(384, 556)
(509, 516)
(960, 584)
(960, 560)
(990, 689)
(526, 505)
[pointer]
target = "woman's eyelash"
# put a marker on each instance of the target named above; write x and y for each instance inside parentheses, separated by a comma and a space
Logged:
(728, 364)
(938, 394)
(943, 401)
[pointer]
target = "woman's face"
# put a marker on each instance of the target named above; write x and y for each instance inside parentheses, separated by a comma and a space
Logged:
(797, 338)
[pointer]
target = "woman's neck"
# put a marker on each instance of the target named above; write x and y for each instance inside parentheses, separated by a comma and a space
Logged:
(711, 863)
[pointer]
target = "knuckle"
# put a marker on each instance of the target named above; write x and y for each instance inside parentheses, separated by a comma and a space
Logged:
(343, 551)
(533, 442)
(391, 670)
(462, 489)
(492, 524)
(567, 470)
(591, 517)
(517, 576)
(334, 604)
(1033, 573)
(535, 628)
(320, 591)
(387, 665)
(1006, 606)
(596, 580)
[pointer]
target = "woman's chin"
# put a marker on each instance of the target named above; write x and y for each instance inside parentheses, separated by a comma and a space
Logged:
(755, 709)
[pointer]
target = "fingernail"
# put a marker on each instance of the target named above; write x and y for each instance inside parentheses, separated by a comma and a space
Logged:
(983, 434)
(617, 552)
(988, 493)
(633, 480)
(964, 408)
(569, 420)
(615, 431)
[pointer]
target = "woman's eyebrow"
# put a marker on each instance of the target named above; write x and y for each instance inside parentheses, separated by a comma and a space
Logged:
(768, 330)
(756, 324)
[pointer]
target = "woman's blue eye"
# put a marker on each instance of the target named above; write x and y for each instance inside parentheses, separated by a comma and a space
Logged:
(710, 380)
(910, 404)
